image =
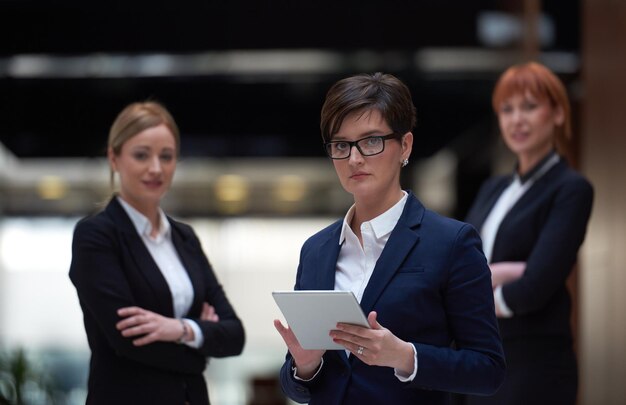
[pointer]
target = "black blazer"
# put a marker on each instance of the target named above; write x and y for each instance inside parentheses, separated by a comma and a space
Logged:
(111, 268)
(545, 229)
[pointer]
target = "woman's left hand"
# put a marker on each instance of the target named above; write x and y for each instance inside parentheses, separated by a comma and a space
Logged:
(208, 313)
(376, 346)
(149, 326)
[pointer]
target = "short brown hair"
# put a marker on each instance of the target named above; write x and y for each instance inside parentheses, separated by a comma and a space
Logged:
(543, 84)
(364, 92)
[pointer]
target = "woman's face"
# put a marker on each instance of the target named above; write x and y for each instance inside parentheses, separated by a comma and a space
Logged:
(146, 165)
(527, 125)
(370, 177)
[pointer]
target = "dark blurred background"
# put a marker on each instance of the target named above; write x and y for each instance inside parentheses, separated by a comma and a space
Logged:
(237, 102)
(246, 79)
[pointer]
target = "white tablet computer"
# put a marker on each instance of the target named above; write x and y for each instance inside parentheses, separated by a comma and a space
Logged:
(312, 314)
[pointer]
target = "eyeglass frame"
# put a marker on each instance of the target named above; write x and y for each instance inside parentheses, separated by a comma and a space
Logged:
(392, 135)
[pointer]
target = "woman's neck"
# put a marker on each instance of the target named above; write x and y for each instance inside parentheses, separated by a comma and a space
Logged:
(528, 161)
(368, 209)
(150, 211)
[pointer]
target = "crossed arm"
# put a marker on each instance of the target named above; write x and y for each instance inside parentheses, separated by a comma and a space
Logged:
(149, 327)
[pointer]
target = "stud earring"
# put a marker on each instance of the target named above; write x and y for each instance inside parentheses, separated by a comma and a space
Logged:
(405, 162)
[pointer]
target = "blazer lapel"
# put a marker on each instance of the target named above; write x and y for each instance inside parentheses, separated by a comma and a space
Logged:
(328, 255)
(144, 262)
(401, 241)
(326, 262)
(487, 205)
(535, 192)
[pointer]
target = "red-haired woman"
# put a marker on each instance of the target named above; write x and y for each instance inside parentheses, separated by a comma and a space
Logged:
(533, 222)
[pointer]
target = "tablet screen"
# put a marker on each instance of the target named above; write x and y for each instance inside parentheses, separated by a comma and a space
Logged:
(312, 314)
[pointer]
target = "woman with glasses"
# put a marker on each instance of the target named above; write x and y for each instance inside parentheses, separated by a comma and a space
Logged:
(153, 309)
(421, 278)
(533, 222)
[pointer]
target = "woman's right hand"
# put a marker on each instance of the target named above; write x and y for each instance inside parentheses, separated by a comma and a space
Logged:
(307, 362)
(506, 272)
(146, 327)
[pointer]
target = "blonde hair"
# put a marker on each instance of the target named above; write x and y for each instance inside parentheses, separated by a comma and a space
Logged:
(138, 117)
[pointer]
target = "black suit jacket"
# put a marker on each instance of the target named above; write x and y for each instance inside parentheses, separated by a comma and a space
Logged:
(545, 229)
(111, 268)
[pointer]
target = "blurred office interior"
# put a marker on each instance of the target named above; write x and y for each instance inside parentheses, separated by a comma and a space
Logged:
(245, 81)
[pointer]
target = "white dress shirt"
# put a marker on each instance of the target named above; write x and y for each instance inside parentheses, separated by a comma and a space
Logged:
(356, 262)
(164, 253)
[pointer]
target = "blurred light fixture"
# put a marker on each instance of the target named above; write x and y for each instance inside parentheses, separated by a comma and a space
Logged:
(232, 192)
(235, 62)
(461, 61)
(288, 193)
(52, 188)
(290, 188)
(499, 29)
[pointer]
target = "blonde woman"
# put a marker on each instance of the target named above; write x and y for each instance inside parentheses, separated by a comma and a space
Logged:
(153, 308)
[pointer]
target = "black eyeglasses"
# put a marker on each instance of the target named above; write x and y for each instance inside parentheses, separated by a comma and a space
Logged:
(371, 145)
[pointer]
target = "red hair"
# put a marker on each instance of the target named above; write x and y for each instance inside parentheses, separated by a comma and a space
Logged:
(543, 84)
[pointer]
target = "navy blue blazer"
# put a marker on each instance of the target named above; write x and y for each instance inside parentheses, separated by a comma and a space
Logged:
(431, 286)
(112, 268)
(545, 229)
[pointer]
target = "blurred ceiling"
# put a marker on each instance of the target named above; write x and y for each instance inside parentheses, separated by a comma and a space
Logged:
(74, 27)
(245, 80)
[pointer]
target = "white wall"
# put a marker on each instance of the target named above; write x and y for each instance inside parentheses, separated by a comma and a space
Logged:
(251, 256)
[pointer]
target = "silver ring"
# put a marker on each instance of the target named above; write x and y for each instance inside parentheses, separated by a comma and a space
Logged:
(360, 351)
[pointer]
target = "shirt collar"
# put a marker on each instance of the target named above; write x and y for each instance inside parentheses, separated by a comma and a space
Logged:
(539, 169)
(142, 224)
(382, 225)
